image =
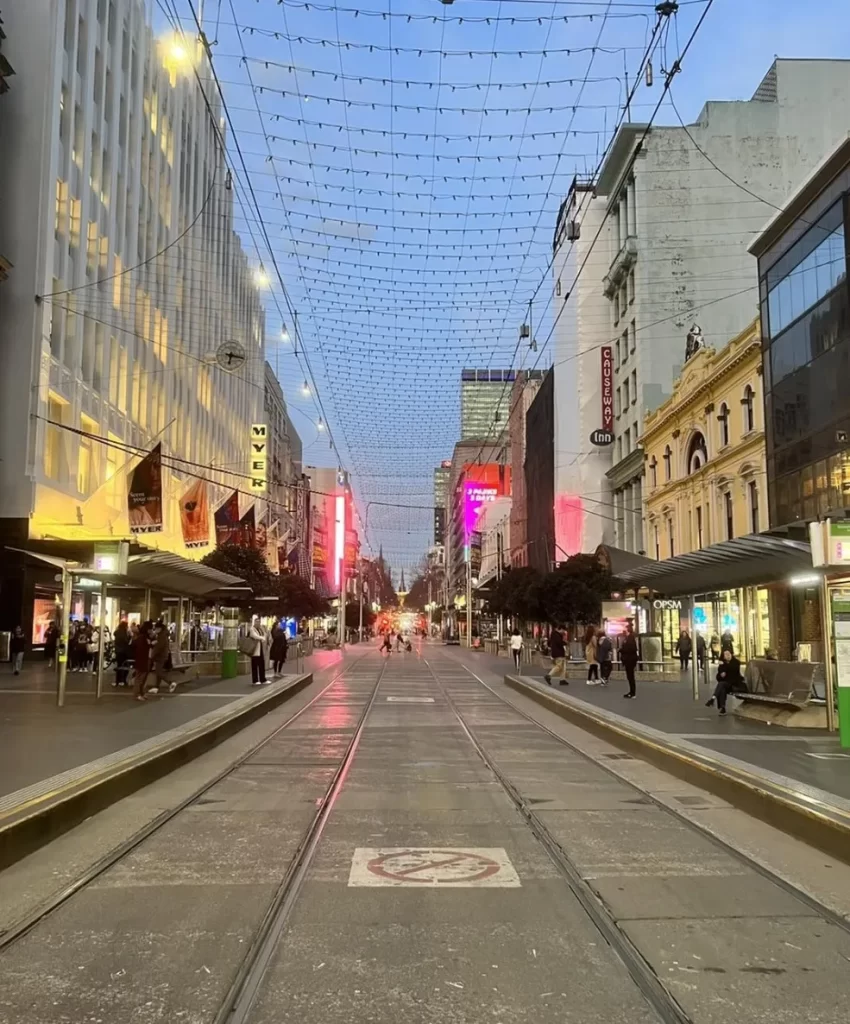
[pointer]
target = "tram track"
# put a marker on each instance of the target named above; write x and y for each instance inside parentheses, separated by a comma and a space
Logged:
(16, 931)
(665, 1005)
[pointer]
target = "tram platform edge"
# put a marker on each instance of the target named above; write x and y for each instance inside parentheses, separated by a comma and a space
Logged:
(36, 815)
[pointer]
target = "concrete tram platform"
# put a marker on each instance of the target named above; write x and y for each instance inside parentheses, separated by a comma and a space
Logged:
(60, 765)
(746, 765)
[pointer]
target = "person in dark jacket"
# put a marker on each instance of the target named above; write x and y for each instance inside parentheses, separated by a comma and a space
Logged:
(279, 649)
(123, 652)
(727, 642)
(51, 640)
(605, 656)
(558, 652)
(729, 680)
(684, 646)
(17, 646)
(142, 660)
(629, 659)
(701, 651)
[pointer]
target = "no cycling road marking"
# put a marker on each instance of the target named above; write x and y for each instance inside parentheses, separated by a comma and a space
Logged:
(418, 867)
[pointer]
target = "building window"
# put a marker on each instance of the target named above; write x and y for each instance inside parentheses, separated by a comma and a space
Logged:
(619, 353)
(653, 471)
(631, 287)
(616, 308)
(729, 515)
(670, 541)
(53, 439)
(668, 464)
(86, 457)
(723, 420)
(697, 453)
(699, 525)
(753, 489)
(558, 286)
(632, 336)
(657, 544)
(617, 402)
(634, 386)
(627, 442)
(748, 410)
(626, 400)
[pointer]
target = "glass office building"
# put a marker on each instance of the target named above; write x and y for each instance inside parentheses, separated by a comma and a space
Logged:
(805, 316)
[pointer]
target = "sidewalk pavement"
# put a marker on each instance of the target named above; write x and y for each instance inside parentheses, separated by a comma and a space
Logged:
(809, 756)
(39, 739)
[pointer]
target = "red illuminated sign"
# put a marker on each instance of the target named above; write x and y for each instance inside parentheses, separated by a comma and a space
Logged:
(607, 388)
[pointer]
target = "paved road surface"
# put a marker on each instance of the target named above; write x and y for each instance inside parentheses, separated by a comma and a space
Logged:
(465, 867)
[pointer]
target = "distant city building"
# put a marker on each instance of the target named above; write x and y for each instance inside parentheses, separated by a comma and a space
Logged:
(671, 258)
(524, 389)
(541, 548)
(485, 402)
(442, 475)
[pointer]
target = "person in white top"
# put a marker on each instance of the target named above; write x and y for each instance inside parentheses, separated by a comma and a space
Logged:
(517, 644)
(258, 662)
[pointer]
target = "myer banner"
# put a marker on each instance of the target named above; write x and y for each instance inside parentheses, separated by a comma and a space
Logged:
(144, 498)
(195, 515)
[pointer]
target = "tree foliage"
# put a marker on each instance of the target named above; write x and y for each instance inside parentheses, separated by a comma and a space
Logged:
(571, 594)
(352, 616)
(296, 599)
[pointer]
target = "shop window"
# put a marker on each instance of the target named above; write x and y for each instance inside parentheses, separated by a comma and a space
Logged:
(748, 409)
(668, 461)
(723, 420)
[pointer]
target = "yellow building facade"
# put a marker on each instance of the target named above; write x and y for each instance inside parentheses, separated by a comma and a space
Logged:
(705, 482)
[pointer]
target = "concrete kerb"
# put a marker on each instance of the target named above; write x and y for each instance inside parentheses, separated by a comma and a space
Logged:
(35, 816)
(818, 818)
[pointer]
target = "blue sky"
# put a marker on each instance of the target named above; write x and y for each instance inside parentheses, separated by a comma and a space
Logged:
(410, 198)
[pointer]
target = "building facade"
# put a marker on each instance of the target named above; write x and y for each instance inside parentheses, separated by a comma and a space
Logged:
(334, 539)
(442, 475)
(129, 280)
(485, 397)
(525, 388)
(672, 253)
(285, 478)
(805, 303)
(541, 546)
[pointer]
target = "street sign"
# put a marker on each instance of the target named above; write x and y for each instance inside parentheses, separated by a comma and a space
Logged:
(602, 438)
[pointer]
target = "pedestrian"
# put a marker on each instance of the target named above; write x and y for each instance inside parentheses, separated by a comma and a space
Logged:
(517, 644)
(51, 640)
(399, 642)
(629, 659)
(684, 646)
(17, 646)
(605, 656)
(258, 666)
(386, 643)
(279, 649)
(729, 680)
(161, 659)
(123, 652)
(701, 651)
(590, 647)
(142, 660)
(714, 647)
(558, 652)
(727, 643)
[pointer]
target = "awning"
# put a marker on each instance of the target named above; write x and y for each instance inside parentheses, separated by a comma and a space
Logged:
(742, 562)
(157, 570)
(617, 561)
(161, 570)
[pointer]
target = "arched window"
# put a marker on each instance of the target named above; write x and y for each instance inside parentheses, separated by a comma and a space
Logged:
(723, 420)
(668, 460)
(697, 453)
(653, 471)
(748, 409)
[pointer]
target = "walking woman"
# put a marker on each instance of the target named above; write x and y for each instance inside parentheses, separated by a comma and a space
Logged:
(279, 649)
(258, 665)
(591, 642)
(517, 644)
(142, 660)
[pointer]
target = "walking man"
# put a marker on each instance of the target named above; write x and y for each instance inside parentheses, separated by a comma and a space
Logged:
(17, 646)
(558, 651)
(629, 658)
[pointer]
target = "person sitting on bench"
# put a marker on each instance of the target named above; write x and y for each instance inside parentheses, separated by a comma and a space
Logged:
(729, 680)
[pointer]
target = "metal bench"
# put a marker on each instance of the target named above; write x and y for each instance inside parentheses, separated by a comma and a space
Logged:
(788, 684)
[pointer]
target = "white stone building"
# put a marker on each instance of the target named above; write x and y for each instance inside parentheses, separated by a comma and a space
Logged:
(672, 254)
(118, 211)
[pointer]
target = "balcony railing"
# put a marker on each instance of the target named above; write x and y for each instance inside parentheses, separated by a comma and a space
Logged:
(620, 266)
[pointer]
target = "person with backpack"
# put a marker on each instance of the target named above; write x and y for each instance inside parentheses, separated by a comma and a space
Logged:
(605, 656)
(558, 652)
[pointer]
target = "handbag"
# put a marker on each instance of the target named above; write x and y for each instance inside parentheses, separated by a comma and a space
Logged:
(246, 645)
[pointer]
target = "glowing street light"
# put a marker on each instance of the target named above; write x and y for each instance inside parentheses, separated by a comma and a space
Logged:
(305, 388)
(284, 333)
(261, 278)
(321, 424)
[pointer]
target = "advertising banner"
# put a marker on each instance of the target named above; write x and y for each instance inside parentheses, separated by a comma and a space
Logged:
(607, 356)
(247, 536)
(227, 521)
(195, 515)
(144, 498)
